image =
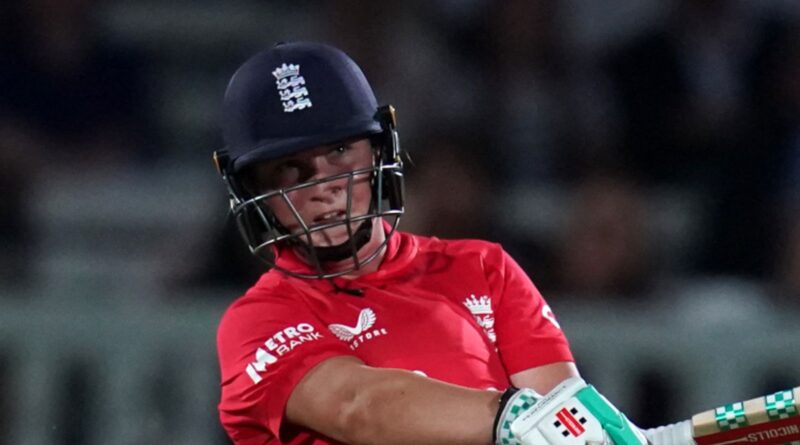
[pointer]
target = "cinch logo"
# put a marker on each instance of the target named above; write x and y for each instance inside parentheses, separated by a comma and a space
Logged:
(358, 334)
(278, 345)
(481, 308)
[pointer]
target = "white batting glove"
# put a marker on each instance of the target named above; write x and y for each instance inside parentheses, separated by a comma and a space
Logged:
(674, 434)
(573, 413)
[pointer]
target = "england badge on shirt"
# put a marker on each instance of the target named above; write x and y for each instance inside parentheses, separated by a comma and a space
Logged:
(481, 309)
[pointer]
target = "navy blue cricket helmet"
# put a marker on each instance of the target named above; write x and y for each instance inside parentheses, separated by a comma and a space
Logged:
(291, 98)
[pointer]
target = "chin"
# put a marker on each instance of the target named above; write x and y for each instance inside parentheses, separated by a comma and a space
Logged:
(330, 237)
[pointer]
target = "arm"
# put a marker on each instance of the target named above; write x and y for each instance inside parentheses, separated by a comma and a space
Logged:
(533, 347)
(354, 403)
(544, 378)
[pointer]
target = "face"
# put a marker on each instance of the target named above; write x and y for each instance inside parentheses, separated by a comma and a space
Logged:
(322, 203)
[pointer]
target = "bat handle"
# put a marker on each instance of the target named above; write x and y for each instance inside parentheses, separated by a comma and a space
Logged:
(679, 433)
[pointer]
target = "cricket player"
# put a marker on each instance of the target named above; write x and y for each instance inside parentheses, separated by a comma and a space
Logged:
(360, 333)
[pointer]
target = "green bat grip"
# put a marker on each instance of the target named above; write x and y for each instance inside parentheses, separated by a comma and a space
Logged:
(614, 422)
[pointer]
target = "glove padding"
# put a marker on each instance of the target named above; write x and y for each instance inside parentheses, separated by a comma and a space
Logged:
(573, 413)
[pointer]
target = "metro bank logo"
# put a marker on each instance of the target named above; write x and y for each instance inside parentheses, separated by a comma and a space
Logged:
(281, 343)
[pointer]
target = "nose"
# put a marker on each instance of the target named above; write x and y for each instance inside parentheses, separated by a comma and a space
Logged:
(325, 191)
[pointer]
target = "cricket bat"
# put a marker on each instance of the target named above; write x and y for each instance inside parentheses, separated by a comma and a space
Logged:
(770, 420)
(773, 419)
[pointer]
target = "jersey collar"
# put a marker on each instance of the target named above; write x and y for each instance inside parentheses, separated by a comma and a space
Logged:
(400, 251)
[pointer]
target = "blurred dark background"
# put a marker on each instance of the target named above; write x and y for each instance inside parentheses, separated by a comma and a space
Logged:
(640, 159)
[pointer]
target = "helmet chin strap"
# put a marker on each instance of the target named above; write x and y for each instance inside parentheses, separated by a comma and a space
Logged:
(347, 249)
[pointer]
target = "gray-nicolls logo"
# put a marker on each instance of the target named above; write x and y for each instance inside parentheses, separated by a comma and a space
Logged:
(291, 87)
(481, 309)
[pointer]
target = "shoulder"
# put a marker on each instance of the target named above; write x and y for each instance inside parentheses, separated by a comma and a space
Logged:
(435, 256)
(474, 248)
(270, 299)
(465, 245)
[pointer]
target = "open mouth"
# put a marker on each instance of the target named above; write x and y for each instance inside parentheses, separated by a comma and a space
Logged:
(327, 217)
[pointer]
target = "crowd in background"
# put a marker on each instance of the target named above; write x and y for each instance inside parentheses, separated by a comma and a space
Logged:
(665, 152)
(641, 151)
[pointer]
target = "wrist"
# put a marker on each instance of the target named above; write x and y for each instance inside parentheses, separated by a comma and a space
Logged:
(502, 402)
(513, 402)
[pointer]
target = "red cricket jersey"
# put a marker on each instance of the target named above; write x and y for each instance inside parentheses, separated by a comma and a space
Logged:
(460, 311)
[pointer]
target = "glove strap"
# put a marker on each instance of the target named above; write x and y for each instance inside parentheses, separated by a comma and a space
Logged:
(513, 402)
(504, 398)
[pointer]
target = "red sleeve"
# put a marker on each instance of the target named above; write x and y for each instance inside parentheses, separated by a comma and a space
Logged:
(528, 334)
(265, 346)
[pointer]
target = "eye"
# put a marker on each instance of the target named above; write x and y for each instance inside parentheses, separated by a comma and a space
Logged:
(339, 154)
(285, 174)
